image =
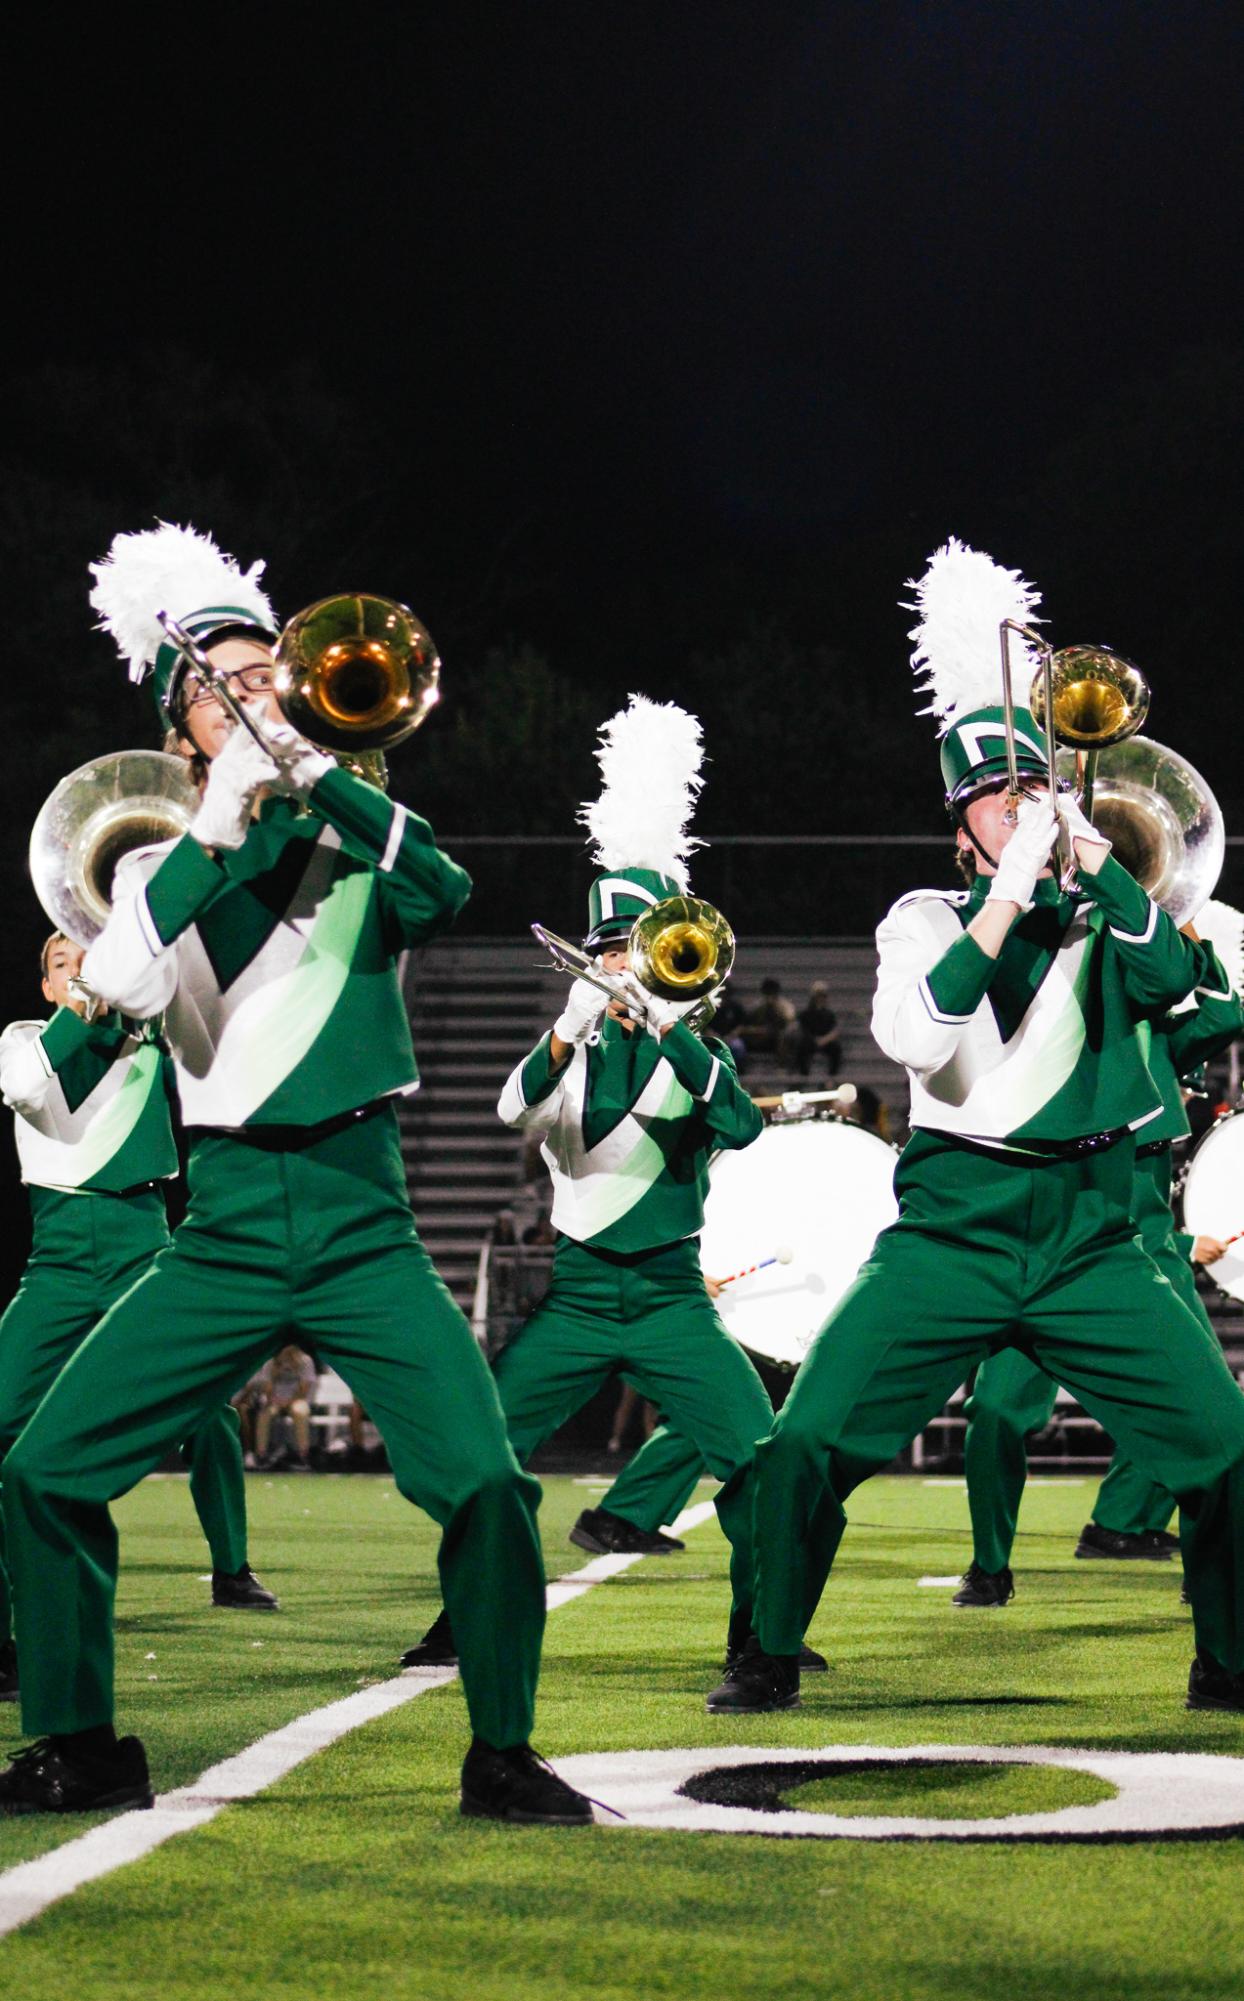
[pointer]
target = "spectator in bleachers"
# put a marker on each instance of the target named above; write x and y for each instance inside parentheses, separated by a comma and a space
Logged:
(815, 1035)
(287, 1385)
(767, 1024)
(728, 1025)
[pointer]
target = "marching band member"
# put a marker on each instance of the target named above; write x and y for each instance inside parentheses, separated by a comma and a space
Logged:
(631, 1105)
(1012, 1396)
(1014, 1007)
(94, 1142)
(268, 938)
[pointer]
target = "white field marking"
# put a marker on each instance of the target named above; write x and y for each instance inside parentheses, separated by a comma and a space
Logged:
(936, 1583)
(31, 1887)
(1161, 1794)
(563, 1589)
(1033, 1480)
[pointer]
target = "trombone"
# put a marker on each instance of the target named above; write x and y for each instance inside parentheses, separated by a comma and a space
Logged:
(355, 674)
(1157, 810)
(681, 950)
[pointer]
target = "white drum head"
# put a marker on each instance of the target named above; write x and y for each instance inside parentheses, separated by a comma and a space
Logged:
(1214, 1198)
(821, 1190)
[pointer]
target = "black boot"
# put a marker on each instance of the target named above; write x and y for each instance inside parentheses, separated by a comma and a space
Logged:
(1211, 1686)
(241, 1591)
(757, 1682)
(51, 1777)
(437, 1647)
(984, 1587)
(1147, 1545)
(517, 1785)
(610, 1535)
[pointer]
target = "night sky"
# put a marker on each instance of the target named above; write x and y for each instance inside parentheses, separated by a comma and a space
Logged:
(627, 286)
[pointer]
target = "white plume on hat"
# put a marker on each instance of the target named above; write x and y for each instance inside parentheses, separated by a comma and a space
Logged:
(649, 756)
(170, 569)
(1222, 926)
(962, 599)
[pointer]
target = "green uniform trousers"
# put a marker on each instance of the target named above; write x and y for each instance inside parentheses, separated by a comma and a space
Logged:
(313, 1243)
(1012, 1396)
(992, 1252)
(655, 1486)
(645, 1315)
(88, 1250)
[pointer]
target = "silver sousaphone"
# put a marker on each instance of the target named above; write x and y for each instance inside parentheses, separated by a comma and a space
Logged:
(96, 815)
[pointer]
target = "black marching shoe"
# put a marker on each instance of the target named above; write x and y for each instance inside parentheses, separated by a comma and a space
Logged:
(9, 1690)
(437, 1648)
(756, 1682)
(1213, 1687)
(810, 1662)
(241, 1591)
(984, 1587)
(47, 1778)
(517, 1785)
(609, 1535)
(1148, 1545)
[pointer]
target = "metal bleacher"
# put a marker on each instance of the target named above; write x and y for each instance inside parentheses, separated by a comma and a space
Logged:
(479, 1004)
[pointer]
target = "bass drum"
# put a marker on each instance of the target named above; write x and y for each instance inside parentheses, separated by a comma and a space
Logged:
(1213, 1197)
(820, 1189)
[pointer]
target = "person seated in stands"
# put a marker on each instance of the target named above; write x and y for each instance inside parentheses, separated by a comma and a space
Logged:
(287, 1385)
(728, 1027)
(816, 1033)
(769, 1021)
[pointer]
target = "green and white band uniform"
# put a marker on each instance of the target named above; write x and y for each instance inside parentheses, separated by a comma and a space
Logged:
(274, 965)
(628, 1126)
(1012, 1396)
(94, 1141)
(1029, 1091)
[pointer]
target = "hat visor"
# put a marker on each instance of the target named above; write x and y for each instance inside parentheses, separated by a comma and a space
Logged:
(611, 931)
(983, 777)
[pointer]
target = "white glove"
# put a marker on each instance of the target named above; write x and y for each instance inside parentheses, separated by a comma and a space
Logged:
(234, 777)
(580, 1017)
(1072, 816)
(655, 1014)
(1025, 854)
(302, 764)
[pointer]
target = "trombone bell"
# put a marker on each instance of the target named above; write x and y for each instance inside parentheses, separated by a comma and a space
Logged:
(355, 672)
(681, 948)
(1099, 697)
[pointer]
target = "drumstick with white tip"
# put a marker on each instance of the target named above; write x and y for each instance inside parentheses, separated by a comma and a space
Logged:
(781, 1257)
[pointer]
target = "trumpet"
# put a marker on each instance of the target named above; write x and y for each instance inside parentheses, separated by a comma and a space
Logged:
(355, 675)
(682, 949)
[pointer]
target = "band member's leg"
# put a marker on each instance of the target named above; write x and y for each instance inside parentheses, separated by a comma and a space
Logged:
(656, 1485)
(392, 1330)
(1141, 1362)
(48, 1317)
(682, 1357)
(173, 1348)
(218, 1487)
(1129, 1502)
(1010, 1397)
(895, 1350)
(368, 1299)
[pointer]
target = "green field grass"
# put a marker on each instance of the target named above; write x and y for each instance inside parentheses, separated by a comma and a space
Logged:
(356, 1876)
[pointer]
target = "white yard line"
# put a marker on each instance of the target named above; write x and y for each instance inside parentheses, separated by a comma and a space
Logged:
(31, 1887)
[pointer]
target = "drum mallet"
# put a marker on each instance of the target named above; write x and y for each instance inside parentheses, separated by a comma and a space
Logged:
(782, 1257)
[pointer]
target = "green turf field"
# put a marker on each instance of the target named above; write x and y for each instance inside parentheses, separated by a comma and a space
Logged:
(356, 1876)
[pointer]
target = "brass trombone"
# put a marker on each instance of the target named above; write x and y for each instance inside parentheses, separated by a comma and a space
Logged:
(355, 674)
(1159, 813)
(681, 950)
